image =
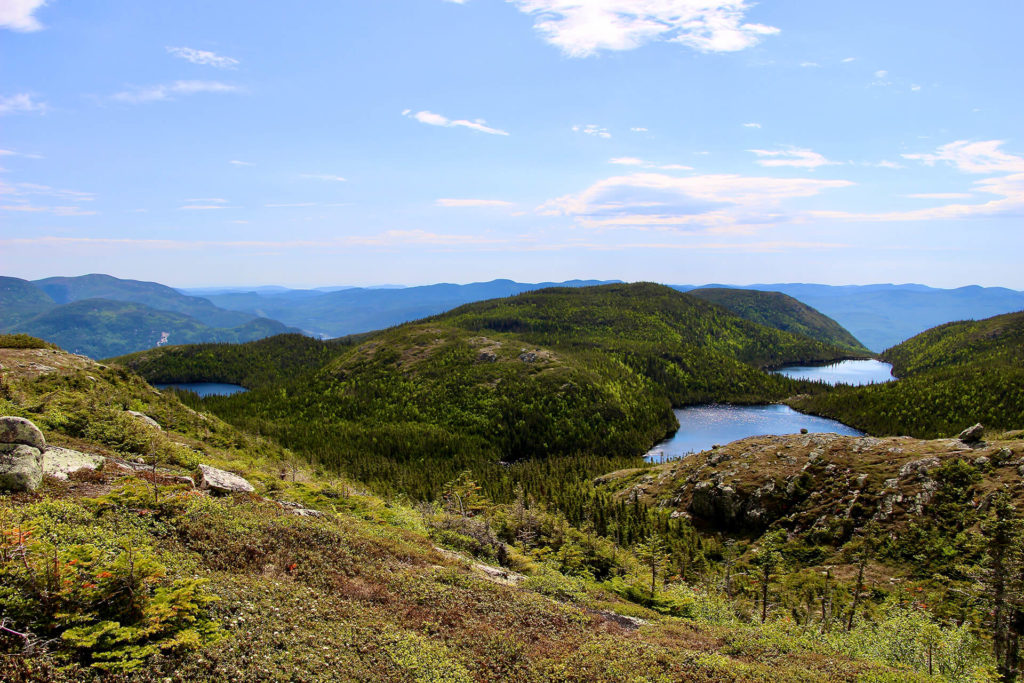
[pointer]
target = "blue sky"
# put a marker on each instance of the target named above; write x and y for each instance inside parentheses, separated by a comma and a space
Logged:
(415, 141)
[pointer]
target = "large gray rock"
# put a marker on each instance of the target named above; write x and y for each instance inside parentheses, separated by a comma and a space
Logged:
(220, 481)
(60, 462)
(20, 430)
(146, 419)
(21, 467)
(972, 434)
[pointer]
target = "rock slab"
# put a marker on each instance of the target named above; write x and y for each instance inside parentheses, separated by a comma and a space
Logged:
(146, 419)
(21, 431)
(213, 479)
(60, 462)
(21, 467)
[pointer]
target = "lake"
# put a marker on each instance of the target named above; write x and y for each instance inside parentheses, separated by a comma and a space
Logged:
(205, 389)
(701, 427)
(855, 372)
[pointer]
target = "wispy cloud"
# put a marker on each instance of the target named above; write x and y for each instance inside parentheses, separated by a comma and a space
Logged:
(323, 176)
(21, 103)
(203, 57)
(472, 203)
(204, 204)
(167, 91)
(592, 129)
(941, 195)
(633, 161)
(791, 156)
(35, 189)
(236, 162)
(973, 157)
(1009, 189)
(12, 153)
(715, 203)
(432, 119)
(751, 125)
(638, 129)
(581, 28)
(19, 15)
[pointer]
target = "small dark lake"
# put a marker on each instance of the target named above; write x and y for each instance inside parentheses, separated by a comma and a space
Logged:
(855, 372)
(701, 427)
(205, 389)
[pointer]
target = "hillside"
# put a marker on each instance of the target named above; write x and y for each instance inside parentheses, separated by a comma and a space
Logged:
(357, 309)
(65, 290)
(884, 315)
(20, 299)
(591, 372)
(309, 576)
(950, 377)
(782, 312)
(100, 328)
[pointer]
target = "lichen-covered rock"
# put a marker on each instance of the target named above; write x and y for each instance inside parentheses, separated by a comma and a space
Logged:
(60, 462)
(220, 481)
(22, 431)
(972, 434)
(21, 467)
(142, 417)
(919, 467)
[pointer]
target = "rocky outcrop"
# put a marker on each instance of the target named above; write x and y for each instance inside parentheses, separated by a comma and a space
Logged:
(21, 467)
(60, 462)
(145, 419)
(219, 481)
(21, 431)
(973, 434)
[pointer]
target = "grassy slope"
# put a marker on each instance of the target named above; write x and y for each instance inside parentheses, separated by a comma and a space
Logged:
(361, 593)
(951, 377)
(782, 312)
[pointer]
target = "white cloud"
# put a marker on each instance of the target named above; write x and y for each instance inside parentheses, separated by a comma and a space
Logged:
(203, 57)
(34, 189)
(472, 203)
(974, 157)
(793, 156)
(581, 28)
(167, 91)
(887, 164)
(591, 129)
(638, 129)
(881, 73)
(17, 15)
(432, 119)
(324, 176)
(55, 210)
(22, 103)
(848, 60)
(633, 161)
(751, 125)
(714, 203)
(236, 162)
(809, 64)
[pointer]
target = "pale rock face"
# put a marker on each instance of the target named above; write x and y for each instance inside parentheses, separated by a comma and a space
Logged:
(60, 462)
(144, 418)
(21, 431)
(222, 482)
(21, 467)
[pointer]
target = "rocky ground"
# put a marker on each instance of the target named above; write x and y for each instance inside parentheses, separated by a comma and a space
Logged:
(814, 481)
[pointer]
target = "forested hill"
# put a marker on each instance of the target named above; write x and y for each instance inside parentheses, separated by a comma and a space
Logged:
(951, 377)
(591, 371)
(782, 312)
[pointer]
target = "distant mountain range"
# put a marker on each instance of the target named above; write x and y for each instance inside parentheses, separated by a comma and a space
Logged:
(102, 316)
(874, 316)
(878, 316)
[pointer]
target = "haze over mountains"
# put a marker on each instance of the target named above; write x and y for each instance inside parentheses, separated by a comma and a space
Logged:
(147, 314)
(879, 316)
